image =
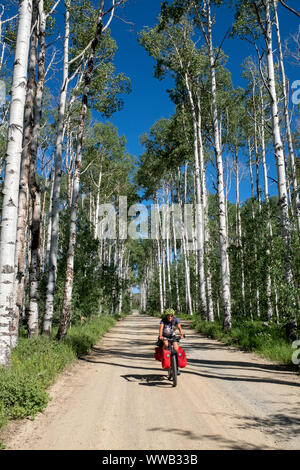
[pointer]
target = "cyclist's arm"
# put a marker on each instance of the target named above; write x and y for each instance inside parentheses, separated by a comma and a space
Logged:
(161, 327)
(180, 330)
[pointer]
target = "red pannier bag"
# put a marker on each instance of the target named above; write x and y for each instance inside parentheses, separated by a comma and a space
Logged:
(182, 360)
(166, 359)
(158, 353)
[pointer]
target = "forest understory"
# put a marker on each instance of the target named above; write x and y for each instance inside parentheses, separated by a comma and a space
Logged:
(205, 219)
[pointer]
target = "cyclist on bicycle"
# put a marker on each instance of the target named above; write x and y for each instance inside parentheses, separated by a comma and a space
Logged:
(167, 328)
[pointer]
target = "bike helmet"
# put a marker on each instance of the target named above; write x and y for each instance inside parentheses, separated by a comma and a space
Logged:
(169, 311)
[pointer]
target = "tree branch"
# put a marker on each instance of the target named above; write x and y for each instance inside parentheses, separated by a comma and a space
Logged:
(81, 53)
(111, 11)
(52, 9)
(9, 19)
(111, 16)
(260, 20)
(261, 72)
(289, 8)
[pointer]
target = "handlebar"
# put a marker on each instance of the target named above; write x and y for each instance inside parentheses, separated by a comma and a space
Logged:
(173, 339)
(176, 338)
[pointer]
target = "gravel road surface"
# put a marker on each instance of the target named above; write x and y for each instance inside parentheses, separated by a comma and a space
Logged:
(118, 398)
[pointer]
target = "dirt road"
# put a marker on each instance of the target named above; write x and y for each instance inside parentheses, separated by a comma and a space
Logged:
(118, 397)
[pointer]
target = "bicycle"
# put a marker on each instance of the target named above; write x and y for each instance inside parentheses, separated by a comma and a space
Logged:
(173, 371)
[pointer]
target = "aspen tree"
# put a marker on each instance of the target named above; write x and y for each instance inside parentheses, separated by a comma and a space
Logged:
(55, 202)
(205, 23)
(295, 195)
(23, 199)
(11, 180)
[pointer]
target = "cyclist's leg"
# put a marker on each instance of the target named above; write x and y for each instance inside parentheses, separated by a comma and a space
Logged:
(166, 344)
(176, 346)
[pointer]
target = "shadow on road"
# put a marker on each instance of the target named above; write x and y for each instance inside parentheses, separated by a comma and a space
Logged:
(283, 426)
(226, 443)
(150, 380)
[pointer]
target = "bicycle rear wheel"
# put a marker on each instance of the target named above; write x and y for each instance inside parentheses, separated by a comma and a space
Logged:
(174, 370)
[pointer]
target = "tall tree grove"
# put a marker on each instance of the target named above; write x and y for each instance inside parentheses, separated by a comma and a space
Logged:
(210, 251)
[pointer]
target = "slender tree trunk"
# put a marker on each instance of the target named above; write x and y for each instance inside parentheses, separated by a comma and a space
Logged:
(185, 257)
(47, 251)
(163, 265)
(121, 276)
(199, 206)
(98, 204)
(281, 175)
(43, 223)
(239, 231)
(34, 186)
(11, 181)
(257, 193)
(206, 234)
(253, 218)
(168, 248)
(34, 272)
(223, 240)
(296, 194)
(66, 310)
(178, 304)
(251, 173)
(23, 198)
(159, 261)
(256, 144)
(49, 307)
(269, 225)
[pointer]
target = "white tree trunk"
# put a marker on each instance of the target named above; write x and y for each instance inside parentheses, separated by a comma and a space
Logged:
(49, 307)
(256, 144)
(199, 205)
(281, 174)
(121, 276)
(257, 192)
(49, 219)
(178, 304)
(34, 185)
(11, 180)
(206, 234)
(184, 242)
(278, 147)
(34, 273)
(159, 261)
(223, 239)
(239, 231)
(296, 194)
(98, 204)
(168, 248)
(22, 225)
(269, 224)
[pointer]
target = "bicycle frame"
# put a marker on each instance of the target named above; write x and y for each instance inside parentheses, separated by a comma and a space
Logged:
(172, 372)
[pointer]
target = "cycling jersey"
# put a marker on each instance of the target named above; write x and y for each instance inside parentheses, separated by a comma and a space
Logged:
(168, 330)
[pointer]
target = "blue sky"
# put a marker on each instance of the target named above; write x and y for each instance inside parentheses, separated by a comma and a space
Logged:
(149, 100)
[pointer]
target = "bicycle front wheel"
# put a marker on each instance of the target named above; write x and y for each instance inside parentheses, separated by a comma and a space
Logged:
(174, 370)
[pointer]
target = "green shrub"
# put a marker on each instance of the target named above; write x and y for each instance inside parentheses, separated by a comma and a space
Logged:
(268, 340)
(21, 395)
(3, 416)
(36, 363)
